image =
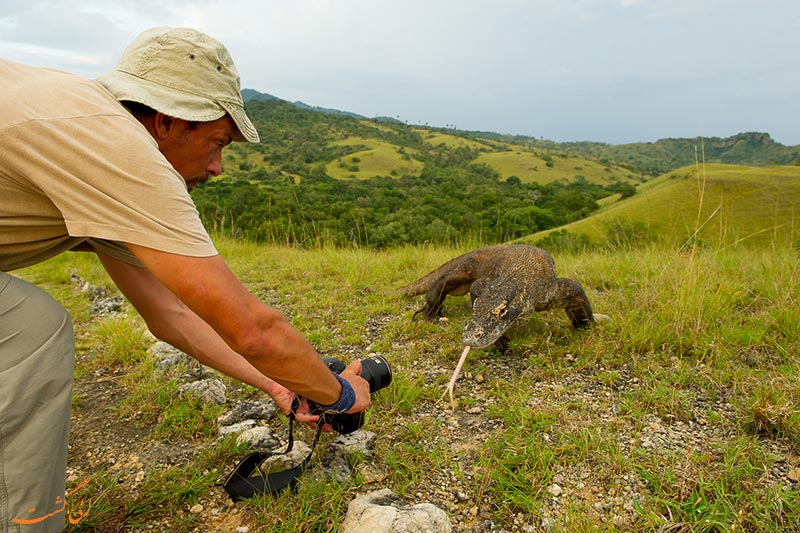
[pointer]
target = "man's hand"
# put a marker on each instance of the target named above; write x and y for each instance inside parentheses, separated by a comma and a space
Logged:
(284, 398)
(360, 386)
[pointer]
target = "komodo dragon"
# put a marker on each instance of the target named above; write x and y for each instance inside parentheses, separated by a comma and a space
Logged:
(507, 283)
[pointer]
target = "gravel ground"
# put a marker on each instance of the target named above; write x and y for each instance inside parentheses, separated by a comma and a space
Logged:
(101, 440)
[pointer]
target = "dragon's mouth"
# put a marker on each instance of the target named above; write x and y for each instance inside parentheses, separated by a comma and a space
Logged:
(477, 338)
(475, 346)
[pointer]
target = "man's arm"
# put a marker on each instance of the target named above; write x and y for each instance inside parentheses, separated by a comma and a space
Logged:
(198, 305)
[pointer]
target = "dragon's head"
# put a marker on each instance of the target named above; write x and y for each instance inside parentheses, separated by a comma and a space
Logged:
(492, 314)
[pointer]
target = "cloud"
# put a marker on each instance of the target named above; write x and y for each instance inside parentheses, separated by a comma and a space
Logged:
(572, 69)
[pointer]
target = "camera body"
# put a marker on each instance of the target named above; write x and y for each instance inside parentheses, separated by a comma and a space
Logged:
(375, 370)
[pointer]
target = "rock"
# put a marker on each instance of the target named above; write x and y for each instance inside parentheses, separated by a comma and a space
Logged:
(358, 441)
(370, 473)
(166, 356)
(794, 475)
(208, 390)
(285, 461)
(196, 509)
(258, 437)
(102, 303)
(238, 427)
(170, 360)
(383, 511)
(262, 409)
(334, 465)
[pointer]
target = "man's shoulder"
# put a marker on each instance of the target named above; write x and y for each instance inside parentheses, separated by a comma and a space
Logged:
(41, 94)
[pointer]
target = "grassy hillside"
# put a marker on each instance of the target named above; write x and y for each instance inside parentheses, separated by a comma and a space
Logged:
(720, 205)
(376, 158)
(653, 158)
(543, 167)
(680, 415)
(296, 140)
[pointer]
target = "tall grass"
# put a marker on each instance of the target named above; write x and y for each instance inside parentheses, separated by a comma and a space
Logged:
(703, 341)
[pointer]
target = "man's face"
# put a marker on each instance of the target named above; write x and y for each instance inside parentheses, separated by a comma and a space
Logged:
(196, 153)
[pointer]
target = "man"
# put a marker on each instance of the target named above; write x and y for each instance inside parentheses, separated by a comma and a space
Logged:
(105, 165)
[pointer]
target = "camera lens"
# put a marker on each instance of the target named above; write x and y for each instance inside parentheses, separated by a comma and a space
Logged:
(376, 371)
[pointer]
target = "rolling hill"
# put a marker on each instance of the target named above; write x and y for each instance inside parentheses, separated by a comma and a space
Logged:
(721, 205)
(296, 138)
(328, 176)
(649, 158)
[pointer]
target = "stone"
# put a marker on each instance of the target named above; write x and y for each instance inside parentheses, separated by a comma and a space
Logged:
(358, 441)
(208, 390)
(260, 437)
(262, 409)
(238, 427)
(169, 359)
(383, 511)
(285, 461)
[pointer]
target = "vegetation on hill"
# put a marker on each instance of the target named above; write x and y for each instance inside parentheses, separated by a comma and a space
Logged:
(680, 415)
(445, 204)
(327, 177)
(649, 158)
(322, 177)
(717, 205)
(653, 158)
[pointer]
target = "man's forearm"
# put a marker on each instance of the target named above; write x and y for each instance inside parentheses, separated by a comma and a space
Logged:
(171, 320)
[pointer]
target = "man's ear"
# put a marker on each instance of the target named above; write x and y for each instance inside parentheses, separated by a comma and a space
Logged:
(164, 125)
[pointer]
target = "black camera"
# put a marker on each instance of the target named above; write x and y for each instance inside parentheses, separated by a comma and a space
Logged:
(375, 370)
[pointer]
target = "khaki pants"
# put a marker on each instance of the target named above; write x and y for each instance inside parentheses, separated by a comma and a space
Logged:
(37, 358)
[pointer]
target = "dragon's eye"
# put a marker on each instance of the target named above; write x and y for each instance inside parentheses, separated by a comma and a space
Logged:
(501, 310)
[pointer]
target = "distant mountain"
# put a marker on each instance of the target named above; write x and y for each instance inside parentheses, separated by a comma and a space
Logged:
(750, 148)
(252, 94)
(653, 158)
(649, 158)
(352, 180)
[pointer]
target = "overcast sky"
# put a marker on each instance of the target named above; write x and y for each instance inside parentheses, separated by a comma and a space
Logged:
(614, 71)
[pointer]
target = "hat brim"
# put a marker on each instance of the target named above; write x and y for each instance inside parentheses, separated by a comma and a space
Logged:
(177, 103)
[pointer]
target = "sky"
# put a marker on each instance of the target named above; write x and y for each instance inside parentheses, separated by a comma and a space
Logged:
(612, 71)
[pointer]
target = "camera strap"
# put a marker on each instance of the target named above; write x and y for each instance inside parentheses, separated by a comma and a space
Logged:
(247, 480)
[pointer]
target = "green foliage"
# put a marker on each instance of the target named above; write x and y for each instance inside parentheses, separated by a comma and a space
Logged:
(334, 178)
(444, 205)
(653, 158)
(711, 206)
(687, 400)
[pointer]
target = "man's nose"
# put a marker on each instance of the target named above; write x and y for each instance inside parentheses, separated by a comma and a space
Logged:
(215, 166)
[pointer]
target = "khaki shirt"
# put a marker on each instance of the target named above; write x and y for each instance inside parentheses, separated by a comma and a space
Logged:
(76, 169)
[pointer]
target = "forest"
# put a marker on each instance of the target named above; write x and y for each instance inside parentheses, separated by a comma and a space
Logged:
(279, 191)
(444, 205)
(304, 184)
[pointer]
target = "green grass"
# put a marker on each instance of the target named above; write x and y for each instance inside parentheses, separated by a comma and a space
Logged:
(378, 158)
(714, 205)
(437, 138)
(704, 340)
(543, 168)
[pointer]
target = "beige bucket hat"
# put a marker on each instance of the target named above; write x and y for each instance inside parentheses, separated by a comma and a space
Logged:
(182, 73)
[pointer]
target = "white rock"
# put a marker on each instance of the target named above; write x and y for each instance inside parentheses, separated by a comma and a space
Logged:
(383, 511)
(258, 437)
(209, 390)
